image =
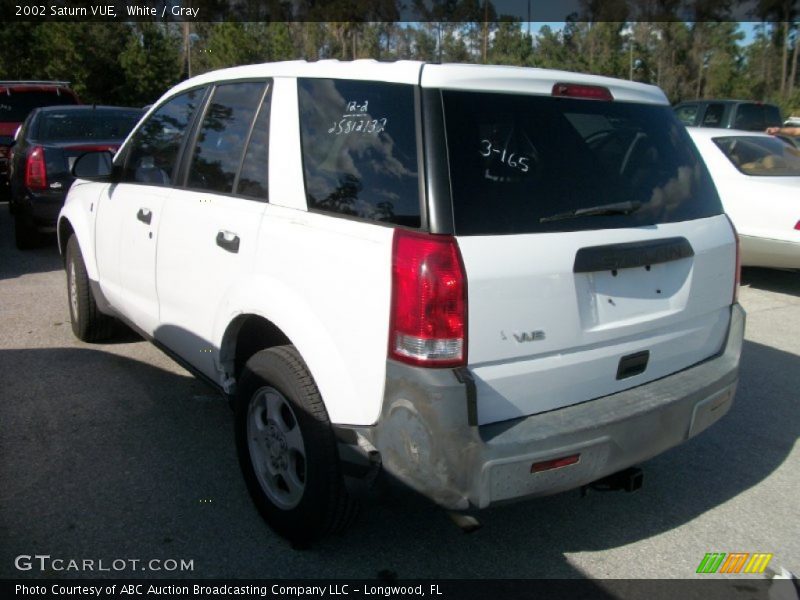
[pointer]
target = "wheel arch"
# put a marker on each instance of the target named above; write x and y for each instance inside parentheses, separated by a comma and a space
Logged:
(65, 230)
(77, 218)
(285, 319)
(245, 335)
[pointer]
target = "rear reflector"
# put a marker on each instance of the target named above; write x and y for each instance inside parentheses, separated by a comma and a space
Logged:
(556, 463)
(428, 320)
(738, 272)
(588, 92)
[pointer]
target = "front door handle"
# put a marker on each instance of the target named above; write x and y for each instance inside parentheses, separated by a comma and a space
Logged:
(228, 241)
(144, 215)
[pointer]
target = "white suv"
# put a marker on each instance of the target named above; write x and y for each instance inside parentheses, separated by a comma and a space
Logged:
(487, 283)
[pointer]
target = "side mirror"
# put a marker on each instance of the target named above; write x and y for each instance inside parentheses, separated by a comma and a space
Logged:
(94, 166)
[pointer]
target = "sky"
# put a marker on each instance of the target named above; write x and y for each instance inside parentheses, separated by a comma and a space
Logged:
(748, 27)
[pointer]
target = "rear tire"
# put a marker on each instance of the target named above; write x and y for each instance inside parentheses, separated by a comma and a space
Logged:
(88, 323)
(287, 448)
(25, 234)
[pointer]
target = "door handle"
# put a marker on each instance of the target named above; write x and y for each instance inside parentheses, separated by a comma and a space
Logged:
(144, 215)
(228, 241)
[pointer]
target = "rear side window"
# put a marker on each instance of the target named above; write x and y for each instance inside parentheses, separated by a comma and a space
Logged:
(155, 145)
(761, 155)
(223, 135)
(16, 105)
(756, 117)
(519, 163)
(255, 166)
(359, 149)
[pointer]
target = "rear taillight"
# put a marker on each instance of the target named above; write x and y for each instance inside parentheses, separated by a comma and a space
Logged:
(738, 273)
(797, 226)
(428, 322)
(35, 170)
(588, 92)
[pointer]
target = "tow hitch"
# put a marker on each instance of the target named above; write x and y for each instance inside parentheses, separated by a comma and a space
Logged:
(629, 480)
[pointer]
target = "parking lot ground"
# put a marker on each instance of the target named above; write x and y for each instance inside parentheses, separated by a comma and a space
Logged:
(112, 451)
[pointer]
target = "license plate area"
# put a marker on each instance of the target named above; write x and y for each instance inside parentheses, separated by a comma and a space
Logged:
(617, 296)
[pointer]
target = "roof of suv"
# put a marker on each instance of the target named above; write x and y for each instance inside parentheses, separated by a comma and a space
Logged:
(449, 76)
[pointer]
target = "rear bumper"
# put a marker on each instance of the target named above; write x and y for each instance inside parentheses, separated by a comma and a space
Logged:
(426, 441)
(763, 252)
(40, 209)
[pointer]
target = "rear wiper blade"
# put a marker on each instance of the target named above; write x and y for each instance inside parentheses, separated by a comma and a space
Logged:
(616, 208)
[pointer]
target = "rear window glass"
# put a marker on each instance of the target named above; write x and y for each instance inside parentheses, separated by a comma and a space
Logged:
(14, 108)
(762, 156)
(519, 164)
(756, 117)
(359, 149)
(86, 124)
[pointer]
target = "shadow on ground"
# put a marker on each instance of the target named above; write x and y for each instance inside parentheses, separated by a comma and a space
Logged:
(108, 457)
(772, 280)
(42, 259)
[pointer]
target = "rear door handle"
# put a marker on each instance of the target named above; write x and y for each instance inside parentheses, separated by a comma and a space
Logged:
(144, 215)
(228, 241)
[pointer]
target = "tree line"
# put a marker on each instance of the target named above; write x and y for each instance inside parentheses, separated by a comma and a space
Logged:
(134, 63)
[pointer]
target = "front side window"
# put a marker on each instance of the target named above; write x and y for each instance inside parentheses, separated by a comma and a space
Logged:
(528, 164)
(713, 116)
(153, 151)
(687, 114)
(359, 149)
(762, 156)
(223, 135)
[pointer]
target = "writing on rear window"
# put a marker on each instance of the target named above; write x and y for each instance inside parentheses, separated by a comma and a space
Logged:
(512, 159)
(353, 164)
(539, 156)
(356, 119)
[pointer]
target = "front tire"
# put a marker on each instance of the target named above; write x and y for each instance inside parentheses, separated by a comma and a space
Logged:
(287, 448)
(88, 323)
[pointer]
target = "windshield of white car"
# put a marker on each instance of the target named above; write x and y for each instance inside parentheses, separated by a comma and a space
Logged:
(760, 155)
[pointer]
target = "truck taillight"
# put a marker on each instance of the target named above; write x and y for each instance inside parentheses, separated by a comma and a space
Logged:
(35, 170)
(428, 321)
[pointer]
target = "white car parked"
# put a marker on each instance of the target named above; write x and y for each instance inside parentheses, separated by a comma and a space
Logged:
(486, 283)
(758, 180)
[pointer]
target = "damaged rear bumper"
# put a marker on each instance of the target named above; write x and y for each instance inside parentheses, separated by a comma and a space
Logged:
(426, 440)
